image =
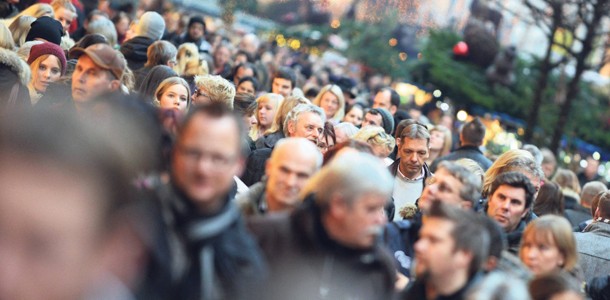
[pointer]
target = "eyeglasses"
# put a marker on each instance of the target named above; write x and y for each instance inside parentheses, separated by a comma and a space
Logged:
(195, 155)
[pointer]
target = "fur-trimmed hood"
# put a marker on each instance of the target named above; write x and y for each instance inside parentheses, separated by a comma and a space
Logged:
(9, 60)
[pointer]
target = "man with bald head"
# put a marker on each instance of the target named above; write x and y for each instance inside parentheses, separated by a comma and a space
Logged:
(292, 162)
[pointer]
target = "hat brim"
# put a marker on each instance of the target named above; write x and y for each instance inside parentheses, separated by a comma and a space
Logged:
(77, 52)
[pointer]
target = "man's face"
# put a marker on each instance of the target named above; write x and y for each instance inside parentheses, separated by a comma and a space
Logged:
(90, 81)
(205, 159)
(412, 153)
(435, 252)
(287, 174)
(281, 86)
(371, 119)
(309, 125)
(200, 96)
(383, 100)
(507, 206)
(361, 221)
(241, 73)
(196, 31)
(50, 231)
(442, 187)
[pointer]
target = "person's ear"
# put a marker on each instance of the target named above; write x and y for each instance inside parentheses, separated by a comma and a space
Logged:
(525, 213)
(115, 85)
(393, 109)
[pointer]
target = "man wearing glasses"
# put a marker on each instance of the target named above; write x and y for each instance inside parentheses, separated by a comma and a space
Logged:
(223, 262)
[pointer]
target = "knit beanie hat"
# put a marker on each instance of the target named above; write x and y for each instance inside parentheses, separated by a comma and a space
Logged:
(387, 119)
(150, 25)
(48, 48)
(46, 28)
(197, 19)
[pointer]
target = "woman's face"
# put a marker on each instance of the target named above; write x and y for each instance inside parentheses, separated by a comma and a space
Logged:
(48, 71)
(122, 26)
(246, 87)
(64, 17)
(437, 140)
(325, 143)
(541, 256)
(221, 57)
(266, 112)
(175, 97)
(330, 104)
(354, 116)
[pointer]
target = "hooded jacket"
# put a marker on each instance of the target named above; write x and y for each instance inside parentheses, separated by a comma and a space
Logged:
(135, 50)
(15, 74)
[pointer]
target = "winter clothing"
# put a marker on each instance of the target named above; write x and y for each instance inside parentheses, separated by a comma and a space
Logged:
(135, 51)
(387, 121)
(15, 74)
(46, 28)
(406, 189)
(416, 290)
(306, 263)
(254, 201)
(222, 259)
(269, 140)
(255, 166)
(48, 48)
(592, 245)
(150, 25)
(471, 152)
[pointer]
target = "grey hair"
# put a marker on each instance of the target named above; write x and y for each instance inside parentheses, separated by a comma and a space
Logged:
(472, 184)
(340, 177)
(415, 131)
(499, 286)
(536, 153)
(294, 114)
(348, 128)
(589, 190)
(106, 28)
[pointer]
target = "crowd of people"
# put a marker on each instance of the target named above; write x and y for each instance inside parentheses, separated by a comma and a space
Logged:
(144, 157)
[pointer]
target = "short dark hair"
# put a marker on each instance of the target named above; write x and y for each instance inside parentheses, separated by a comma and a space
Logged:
(286, 73)
(246, 65)
(517, 180)
(468, 232)
(546, 286)
(473, 132)
(251, 79)
(214, 110)
(394, 97)
(244, 104)
(160, 53)
(603, 204)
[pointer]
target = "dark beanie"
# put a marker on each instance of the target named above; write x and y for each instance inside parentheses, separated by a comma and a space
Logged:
(387, 119)
(46, 28)
(197, 19)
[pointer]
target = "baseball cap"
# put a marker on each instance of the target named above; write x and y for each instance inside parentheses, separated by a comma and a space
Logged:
(104, 56)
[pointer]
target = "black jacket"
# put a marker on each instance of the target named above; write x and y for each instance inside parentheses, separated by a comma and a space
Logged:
(255, 166)
(470, 152)
(238, 267)
(135, 50)
(416, 290)
(305, 263)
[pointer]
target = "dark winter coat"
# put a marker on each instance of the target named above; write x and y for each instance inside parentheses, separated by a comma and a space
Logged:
(135, 51)
(471, 152)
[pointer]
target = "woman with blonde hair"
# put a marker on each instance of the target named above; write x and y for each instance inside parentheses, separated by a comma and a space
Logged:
(189, 64)
(173, 93)
(20, 27)
(516, 160)
(440, 143)
(64, 12)
(331, 100)
(381, 142)
(48, 63)
(548, 246)
(6, 39)
(267, 106)
(276, 131)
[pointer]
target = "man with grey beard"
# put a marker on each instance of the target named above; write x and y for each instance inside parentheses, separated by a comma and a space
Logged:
(328, 247)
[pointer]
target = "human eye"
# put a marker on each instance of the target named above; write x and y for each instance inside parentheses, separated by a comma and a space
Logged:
(42, 67)
(55, 70)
